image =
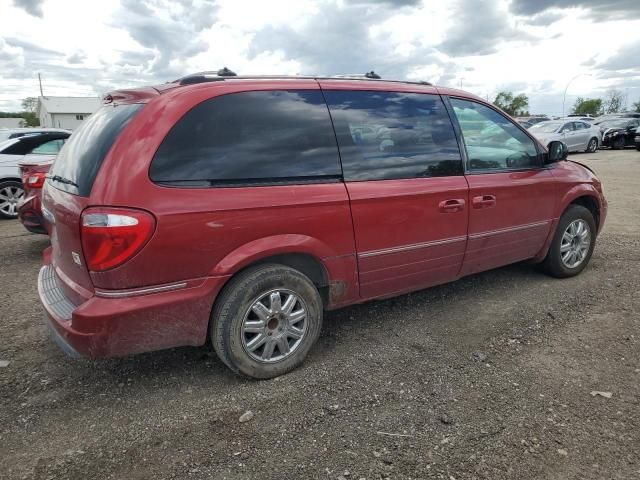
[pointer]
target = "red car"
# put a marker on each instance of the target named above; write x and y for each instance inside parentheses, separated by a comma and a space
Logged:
(238, 209)
(33, 173)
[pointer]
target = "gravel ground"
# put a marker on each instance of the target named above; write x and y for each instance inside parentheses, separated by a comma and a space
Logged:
(489, 377)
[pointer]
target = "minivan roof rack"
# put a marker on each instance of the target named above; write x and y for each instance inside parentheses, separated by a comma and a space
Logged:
(225, 74)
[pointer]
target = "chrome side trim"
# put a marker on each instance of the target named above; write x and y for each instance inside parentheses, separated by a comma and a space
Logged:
(140, 291)
(414, 246)
(508, 230)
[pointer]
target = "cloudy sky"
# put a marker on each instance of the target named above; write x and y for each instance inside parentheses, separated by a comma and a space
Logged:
(87, 47)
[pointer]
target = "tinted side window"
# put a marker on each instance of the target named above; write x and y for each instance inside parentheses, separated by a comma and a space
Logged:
(492, 141)
(386, 135)
(249, 137)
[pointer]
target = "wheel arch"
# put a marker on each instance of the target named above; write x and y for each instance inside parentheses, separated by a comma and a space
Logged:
(589, 202)
(584, 195)
(300, 252)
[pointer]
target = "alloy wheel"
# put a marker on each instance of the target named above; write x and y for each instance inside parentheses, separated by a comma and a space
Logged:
(593, 145)
(575, 243)
(274, 326)
(10, 196)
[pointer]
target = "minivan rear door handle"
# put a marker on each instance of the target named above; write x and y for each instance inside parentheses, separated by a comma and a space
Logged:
(484, 201)
(451, 206)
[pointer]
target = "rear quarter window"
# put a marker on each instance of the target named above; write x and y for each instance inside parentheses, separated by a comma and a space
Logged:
(83, 153)
(262, 137)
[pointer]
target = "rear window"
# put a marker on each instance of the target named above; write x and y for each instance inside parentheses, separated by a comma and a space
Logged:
(80, 159)
(265, 137)
(391, 135)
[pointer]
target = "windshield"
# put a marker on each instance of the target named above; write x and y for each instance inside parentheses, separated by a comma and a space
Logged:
(546, 127)
(80, 159)
(4, 136)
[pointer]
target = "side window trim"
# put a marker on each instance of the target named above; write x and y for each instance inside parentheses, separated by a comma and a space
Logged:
(463, 147)
(335, 132)
(457, 131)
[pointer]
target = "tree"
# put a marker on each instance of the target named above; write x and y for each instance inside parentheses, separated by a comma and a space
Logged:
(30, 107)
(30, 104)
(514, 106)
(588, 106)
(613, 101)
(31, 119)
(636, 106)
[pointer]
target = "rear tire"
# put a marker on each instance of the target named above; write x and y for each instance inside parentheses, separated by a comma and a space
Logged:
(11, 192)
(572, 244)
(266, 320)
(592, 146)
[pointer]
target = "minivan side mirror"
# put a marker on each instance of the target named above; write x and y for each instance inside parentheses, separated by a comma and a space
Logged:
(557, 151)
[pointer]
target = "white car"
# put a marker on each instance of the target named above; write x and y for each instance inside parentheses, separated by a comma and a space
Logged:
(13, 151)
(9, 133)
(577, 135)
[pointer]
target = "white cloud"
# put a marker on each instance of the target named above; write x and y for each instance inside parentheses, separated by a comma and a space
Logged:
(529, 46)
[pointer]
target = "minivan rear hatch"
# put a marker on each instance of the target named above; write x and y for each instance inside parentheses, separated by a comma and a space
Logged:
(67, 189)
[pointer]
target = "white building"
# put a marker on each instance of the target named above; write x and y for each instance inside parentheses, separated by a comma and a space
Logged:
(65, 112)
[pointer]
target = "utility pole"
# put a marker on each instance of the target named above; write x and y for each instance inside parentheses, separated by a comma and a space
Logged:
(40, 81)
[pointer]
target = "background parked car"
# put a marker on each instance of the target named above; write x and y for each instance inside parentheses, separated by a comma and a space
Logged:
(619, 133)
(578, 136)
(612, 116)
(582, 118)
(11, 153)
(533, 119)
(33, 171)
(9, 133)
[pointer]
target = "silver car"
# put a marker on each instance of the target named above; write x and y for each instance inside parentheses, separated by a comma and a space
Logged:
(13, 151)
(577, 135)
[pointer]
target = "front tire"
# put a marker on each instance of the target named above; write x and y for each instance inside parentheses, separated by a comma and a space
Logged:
(572, 244)
(11, 192)
(618, 143)
(266, 320)
(592, 146)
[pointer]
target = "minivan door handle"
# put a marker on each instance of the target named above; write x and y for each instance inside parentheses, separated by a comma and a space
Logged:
(451, 206)
(484, 201)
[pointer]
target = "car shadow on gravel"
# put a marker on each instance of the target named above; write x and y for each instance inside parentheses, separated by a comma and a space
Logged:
(344, 331)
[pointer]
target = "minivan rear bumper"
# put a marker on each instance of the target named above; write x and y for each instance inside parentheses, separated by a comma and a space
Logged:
(111, 327)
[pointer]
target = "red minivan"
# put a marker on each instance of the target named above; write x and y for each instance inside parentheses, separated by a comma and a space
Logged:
(238, 209)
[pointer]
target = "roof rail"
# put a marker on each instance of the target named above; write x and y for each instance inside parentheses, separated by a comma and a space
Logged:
(225, 74)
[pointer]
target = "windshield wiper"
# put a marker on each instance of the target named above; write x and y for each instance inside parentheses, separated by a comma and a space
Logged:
(58, 178)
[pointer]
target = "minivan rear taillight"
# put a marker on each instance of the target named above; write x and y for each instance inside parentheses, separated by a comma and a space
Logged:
(111, 236)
